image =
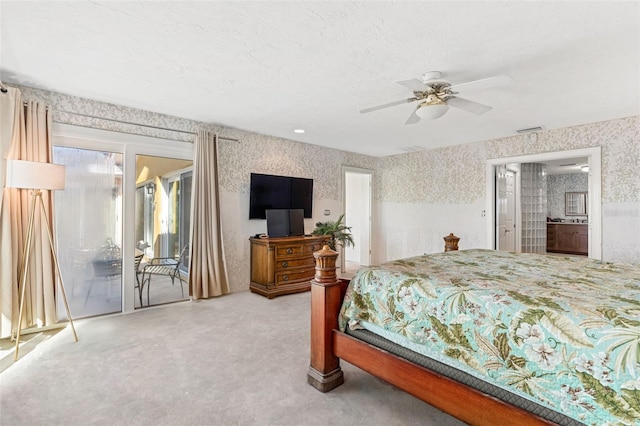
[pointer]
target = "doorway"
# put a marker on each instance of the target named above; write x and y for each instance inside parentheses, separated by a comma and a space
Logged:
(594, 207)
(506, 207)
(357, 208)
(162, 224)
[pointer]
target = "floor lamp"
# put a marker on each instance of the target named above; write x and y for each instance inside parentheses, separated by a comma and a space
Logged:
(37, 177)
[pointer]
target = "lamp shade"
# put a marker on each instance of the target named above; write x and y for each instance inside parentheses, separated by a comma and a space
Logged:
(34, 175)
(431, 112)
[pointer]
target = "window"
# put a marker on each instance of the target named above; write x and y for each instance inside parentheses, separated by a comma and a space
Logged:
(89, 229)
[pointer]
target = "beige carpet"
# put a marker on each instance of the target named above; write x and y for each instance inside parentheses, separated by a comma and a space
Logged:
(240, 359)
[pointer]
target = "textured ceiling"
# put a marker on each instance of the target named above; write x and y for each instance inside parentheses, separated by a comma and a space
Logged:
(272, 67)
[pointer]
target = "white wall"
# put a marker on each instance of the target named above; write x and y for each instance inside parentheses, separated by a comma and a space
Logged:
(413, 229)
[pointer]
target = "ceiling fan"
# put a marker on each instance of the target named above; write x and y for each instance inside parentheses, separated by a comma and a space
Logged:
(436, 95)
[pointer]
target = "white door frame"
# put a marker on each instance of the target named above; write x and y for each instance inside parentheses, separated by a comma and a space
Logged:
(349, 169)
(595, 191)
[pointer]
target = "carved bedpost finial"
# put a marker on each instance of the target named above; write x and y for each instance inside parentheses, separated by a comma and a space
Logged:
(326, 297)
(325, 265)
(451, 242)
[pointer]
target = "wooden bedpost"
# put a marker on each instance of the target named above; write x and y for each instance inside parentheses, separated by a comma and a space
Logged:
(326, 297)
(451, 242)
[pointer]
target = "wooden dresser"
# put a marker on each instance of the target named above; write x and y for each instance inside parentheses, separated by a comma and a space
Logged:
(283, 265)
(571, 238)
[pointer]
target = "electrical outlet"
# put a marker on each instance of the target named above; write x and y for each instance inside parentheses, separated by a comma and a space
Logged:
(483, 214)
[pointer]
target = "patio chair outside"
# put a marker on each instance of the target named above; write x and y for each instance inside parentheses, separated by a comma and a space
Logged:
(165, 266)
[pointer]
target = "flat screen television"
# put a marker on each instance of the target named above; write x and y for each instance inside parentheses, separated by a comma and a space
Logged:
(279, 192)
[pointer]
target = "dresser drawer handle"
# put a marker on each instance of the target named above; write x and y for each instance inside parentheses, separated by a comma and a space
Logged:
(285, 278)
(289, 251)
(285, 264)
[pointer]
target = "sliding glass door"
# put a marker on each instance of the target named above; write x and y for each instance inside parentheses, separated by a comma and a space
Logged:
(115, 207)
(89, 228)
(162, 220)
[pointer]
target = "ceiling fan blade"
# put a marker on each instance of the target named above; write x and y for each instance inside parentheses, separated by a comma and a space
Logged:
(413, 118)
(469, 106)
(485, 83)
(390, 104)
(414, 84)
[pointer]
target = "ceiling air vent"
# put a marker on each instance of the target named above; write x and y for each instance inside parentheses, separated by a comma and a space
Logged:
(530, 129)
(414, 148)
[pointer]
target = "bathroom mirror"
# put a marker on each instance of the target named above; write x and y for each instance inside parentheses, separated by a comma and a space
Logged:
(575, 203)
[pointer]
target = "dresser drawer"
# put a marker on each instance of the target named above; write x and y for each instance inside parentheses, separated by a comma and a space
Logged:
(286, 277)
(289, 251)
(287, 264)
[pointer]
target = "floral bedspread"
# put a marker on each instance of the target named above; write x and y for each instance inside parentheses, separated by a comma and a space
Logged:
(564, 332)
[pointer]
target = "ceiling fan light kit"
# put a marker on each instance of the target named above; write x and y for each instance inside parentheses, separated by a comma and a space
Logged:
(432, 111)
(430, 76)
(438, 95)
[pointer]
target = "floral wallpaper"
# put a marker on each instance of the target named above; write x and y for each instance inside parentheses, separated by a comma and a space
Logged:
(557, 185)
(410, 177)
(73, 110)
(460, 170)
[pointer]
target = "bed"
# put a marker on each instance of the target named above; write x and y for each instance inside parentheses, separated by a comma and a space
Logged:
(489, 337)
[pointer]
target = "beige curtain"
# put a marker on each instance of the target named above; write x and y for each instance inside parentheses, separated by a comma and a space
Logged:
(30, 139)
(207, 272)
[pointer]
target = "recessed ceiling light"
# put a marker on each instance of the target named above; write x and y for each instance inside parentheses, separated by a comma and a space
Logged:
(298, 131)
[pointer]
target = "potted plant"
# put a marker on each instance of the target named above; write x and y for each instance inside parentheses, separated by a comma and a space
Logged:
(340, 233)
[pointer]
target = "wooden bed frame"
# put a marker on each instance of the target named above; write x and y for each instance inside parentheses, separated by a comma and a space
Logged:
(329, 345)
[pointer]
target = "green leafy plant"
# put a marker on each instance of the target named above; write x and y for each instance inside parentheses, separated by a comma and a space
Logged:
(340, 233)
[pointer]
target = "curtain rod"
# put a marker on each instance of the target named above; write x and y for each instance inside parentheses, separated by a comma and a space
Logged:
(141, 125)
(135, 124)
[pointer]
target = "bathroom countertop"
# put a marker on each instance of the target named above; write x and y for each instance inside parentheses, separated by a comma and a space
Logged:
(568, 223)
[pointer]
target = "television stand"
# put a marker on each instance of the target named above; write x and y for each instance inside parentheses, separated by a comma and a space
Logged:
(283, 265)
